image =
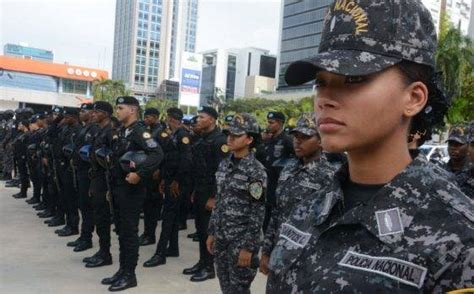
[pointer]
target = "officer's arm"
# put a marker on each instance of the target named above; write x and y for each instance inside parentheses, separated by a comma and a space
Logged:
(459, 275)
(221, 152)
(154, 155)
(184, 146)
(256, 215)
(270, 234)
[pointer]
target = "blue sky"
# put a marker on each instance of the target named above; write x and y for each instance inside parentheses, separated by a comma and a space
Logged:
(81, 31)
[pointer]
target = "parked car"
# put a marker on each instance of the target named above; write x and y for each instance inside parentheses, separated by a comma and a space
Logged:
(435, 153)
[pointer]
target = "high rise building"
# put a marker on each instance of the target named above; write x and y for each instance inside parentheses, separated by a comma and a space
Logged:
(150, 36)
(458, 12)
(301, 26)
(26, 52)
(226, 72)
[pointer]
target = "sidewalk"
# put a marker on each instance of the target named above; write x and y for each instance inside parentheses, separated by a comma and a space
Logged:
(34, 260)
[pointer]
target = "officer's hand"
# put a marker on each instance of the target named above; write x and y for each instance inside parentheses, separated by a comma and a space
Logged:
(133, 178)
(211, 203)
(191, 198)
(264, 264)
(161, 188)
(45, 161)
(210, 244)
(174, 189)
(245, 258)
(156, 175)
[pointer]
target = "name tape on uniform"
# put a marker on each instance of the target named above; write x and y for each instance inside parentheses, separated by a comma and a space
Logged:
(295, 236)
(394, 268)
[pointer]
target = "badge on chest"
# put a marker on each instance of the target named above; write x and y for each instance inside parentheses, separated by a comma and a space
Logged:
(389, 222)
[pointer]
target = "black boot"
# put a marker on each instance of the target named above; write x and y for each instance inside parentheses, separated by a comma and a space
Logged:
(194, 269)
(100, 260)
(83, 245)
(146, 240)
(19, 195)
(126, 280)
(204, 274)
(74, 243)
(155, 260)
(112, 279)
(68, 231)
(90, 258)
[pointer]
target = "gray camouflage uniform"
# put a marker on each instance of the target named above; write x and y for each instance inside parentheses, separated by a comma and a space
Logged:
(416, 234)
(297, 181)
(236, 221)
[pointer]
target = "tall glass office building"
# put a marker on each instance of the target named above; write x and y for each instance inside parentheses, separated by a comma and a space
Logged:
(301, 24)
(150, 36)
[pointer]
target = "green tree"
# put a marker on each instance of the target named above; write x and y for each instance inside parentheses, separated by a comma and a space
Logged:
(455, 59)
(108, 90)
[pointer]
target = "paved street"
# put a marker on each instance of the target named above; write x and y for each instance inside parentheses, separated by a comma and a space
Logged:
(34, 260)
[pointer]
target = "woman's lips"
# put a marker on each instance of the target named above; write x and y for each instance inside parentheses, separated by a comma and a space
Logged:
(329, 125)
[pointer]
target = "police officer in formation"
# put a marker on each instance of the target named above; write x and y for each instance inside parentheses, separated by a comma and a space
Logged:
(236, 222)
(100, 187)
(174, 185)
(301, 176)
(207, 152)
(81, 164)
(277, 147)
(136, 155)
(460, 163)
(68, 196)
(153, 203)
(387, 223)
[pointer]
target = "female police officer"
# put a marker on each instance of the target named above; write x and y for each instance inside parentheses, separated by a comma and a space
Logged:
(299, 178)
(387, 223)
(236, 221)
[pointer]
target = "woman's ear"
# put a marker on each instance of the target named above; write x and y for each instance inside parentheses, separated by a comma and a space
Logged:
(417, 97)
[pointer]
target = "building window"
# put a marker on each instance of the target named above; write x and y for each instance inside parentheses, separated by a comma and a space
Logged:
(74, 86)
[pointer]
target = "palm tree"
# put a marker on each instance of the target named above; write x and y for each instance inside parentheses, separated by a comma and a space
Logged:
(108, 90)
(455, 59)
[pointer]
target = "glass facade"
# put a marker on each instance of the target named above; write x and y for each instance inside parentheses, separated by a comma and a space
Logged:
(74, 86)
(28, 81)
(230, 83)
(301, 32)
(29, 52)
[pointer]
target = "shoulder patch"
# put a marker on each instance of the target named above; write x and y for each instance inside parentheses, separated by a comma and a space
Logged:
(164, 135)
(256, 190)
(225, 148)
(185, 140)
(146, 135)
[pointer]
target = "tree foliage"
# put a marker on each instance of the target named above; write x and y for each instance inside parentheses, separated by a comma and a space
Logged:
(455, 59)
(108, 90)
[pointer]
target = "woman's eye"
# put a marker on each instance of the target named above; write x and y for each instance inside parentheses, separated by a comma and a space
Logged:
(355, 79)
(319, 83)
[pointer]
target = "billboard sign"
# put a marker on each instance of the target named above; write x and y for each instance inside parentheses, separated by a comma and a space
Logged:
(190, 83)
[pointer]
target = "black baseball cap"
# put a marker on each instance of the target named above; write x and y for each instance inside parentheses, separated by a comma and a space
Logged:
(175, 113)
(103, 106)
(127, 100)
(367, 36)
(209, 110)
(457, 134)
(152, 111)
(276, 115)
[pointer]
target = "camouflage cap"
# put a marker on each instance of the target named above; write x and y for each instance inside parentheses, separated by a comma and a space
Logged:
(367, 36)
(457, 134)
(242, 124)
(306, 125)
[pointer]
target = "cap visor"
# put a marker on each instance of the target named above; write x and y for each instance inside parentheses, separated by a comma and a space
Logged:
(234, 131)
(456, 139)
(304, 131)
(343, 62)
